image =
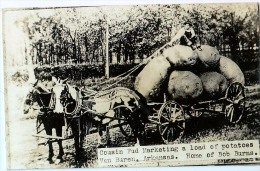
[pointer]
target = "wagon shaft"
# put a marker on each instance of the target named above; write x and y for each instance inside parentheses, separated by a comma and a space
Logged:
(49, 137)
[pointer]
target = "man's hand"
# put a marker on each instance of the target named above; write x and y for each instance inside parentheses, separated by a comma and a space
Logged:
(189, 43)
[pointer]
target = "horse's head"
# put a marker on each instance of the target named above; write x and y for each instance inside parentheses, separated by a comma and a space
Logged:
(59, 89)
(30, 101)
(69, 98)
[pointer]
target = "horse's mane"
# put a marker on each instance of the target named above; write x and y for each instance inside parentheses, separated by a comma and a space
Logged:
(73, 92)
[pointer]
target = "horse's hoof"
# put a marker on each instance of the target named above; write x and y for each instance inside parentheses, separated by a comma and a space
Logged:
(50, 161)
(57, 161)
(75, 164)
(137, 145)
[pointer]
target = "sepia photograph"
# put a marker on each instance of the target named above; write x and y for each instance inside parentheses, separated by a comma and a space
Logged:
(132, 85)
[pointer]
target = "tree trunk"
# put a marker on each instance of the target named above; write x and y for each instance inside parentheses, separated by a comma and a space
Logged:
(118, 55)
(93, 56)
(110, 56)
(126, 52)
(40, 54)
(74, 51)
(86, 49)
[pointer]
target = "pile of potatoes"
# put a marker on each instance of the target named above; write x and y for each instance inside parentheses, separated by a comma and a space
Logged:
(187, 76)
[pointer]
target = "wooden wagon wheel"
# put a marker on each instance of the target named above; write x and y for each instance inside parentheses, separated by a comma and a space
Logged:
(122, 113)
(235, 102)
(171, 118)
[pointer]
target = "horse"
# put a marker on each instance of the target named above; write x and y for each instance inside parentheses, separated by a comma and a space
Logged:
(51, 115)
(48, 115)
(77, 123)
(106, 106)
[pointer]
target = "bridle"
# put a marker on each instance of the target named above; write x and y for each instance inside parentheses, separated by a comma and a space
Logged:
(29, 98)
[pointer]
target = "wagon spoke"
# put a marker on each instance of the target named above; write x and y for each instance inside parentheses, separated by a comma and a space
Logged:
(154, 110)
(240, 92)
(170, 132)
(169, 111)
(165, 117)
(239, 88)
(230, 110)
(231, 90)
(228, 106)
(165, 129)
(174, 109)
(166, 123)
(180, 127)
(167, 135)
(242, 98)
(179, 120)
(232, 114)
(236, 87)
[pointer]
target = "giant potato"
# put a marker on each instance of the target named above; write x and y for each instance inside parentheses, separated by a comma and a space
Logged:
(180, 55)
(208, 56)
(151, 79)
(214, 85)
(231, 70)
(184, 86)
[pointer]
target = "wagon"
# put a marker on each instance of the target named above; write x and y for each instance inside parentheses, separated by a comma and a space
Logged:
(170, 116)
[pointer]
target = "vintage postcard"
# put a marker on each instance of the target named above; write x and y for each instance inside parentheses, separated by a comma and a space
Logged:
(132, 86)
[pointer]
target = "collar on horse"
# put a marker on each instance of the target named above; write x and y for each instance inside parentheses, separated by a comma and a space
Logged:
(78, 105)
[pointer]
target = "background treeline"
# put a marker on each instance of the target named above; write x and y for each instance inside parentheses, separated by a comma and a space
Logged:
(135, 32)
(78, 35)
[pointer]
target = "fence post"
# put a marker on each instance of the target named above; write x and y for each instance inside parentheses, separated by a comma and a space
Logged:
(107, 52)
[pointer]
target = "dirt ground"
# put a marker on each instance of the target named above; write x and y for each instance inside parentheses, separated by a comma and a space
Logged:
(24, 151)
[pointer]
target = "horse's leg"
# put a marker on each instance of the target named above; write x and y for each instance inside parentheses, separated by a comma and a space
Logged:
(139, 133)
(83, 129)
(51, 154)
(107, 135)
(100, 133)
(138, 128)
(136, 135)
(75, 130)
(48, 129)
(61, 152)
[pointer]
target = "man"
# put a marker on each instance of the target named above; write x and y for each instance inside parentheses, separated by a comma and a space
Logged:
(187, 37)
(45, 82)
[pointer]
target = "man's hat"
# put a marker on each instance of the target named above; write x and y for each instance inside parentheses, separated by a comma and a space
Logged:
(187, 22)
